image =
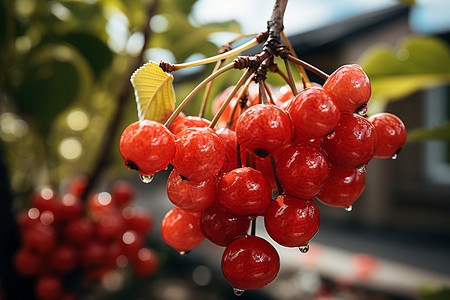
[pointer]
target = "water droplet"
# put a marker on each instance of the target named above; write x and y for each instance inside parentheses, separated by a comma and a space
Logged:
(349, 208)
(363, 111)
(362, 169)
(395, 156)
(146, 178)
(238, 292)
(304, 249)
(183, 253)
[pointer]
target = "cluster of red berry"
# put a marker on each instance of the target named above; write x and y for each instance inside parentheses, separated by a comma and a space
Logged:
(312, 145)
(61, 237)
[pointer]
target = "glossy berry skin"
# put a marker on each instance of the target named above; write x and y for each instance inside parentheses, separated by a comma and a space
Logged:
(64, 259)
(220, 226)
(199, 153)
(302, 170)
(40, 238)
(147, 146)
(228, 137)
(146, 262)
(122, 193)
(27, 263)
(350, 88)
(244, 191)
(313, 113)
(138, 220)
(292, 222)
(250, 262)
(353, 143)
(264, 130)
(187, 122)
(49, 288)
(190, 195)
(264, 165)
(181, 229)
(391, 133)
(343, 187)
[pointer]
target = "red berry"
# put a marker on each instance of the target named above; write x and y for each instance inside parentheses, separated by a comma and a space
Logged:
(146, 262)
(79, 231)
(353, 143)
(45, 200)
(391, 133)
(70, 208)
(28, 219)
(100, 202)
(108, 225)
(64, 258)
(220, 226)
(49, 288)
(78, 185)
(147, 146)
(181, 124)
(138, 220)
(349, 87)
(343, 187)
(292, 222)
(190, 195)
(264, 165)
(181, 230)
(302, 171)
(250, 262)
(122, 193)
(40, 238)
(313, 113)
(244, 191)
(228, 137)
(131, 243)
(199, 153)
(93, 254)
(264, 129)
(27, 263)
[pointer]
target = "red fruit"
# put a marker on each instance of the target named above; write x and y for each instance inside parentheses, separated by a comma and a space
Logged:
(250, 262)
(40, 238)
(302, 171)
(349, 87)
(78, 185)
(28, 219)
(181, 124)
(343, 187)
(146, 262)
(49, 288)
(137, 219)
(64, 259)
(131, 243)
(286, 94)
(228, 137)
(199, 153)
(353, 143)
(79, 231)
(391, 133)
(27, 263)
(181, 230)
(93, 254)
(100, 202)
(264, 165)
(244, 191)
(313, 113)
(70, 208)
(147, 146)
(190, 195)
(292, 222)
(114, 255)
(45, 200)
(220, 226)
(264, 129)
(122, 193)
(108, 225)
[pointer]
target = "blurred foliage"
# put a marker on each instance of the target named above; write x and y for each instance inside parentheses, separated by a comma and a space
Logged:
(63, 65)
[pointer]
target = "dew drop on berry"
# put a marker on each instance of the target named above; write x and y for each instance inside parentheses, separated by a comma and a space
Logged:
(184, 253)
(304, 249)
(238, 292)
(349, 208)
(146, 178)
(394, 157)
(362, 169)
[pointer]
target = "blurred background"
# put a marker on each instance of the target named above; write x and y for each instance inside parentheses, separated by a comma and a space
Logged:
(65, 97)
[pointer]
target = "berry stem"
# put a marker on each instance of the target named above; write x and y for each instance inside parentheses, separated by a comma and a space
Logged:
(241, 81)
(262, 93)
(303, 74)
(173, 67)
(269, 93)
(253, 229)
(238, 152)
(208, 89)
(241, 97)
(277, 180)
(291, 77)
(307, 66)
(195, 91)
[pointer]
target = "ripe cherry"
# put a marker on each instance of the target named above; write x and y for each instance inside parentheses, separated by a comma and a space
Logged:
(292, 222)
(40, 238)
(250, 262)
(181, 230)
(220, 226)
(343, 187)
(145, 263)
(77, 232)
(264, 130)
(27, 263)
(122, 193)
(199, 153)
(302, 170)
(353, 143)
(313, 113)
(187, 122)
(137, 219)
(349, 87)
(244, 191)
(228, 137)
(49, 288)
(64, 258)
(391, 133)
(147, 146)
(190, 195)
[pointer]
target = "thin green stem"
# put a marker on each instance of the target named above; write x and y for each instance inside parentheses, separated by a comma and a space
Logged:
(308, 66)
(241, 81)
(269, 93)
(208, 89)
(291, 77)
(303, 74)
(195, 91)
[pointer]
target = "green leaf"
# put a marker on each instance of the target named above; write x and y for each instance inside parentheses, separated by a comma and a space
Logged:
(155, 97)
(440, 132)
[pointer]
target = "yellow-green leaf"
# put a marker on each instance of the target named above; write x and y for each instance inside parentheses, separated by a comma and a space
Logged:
(155, 97)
